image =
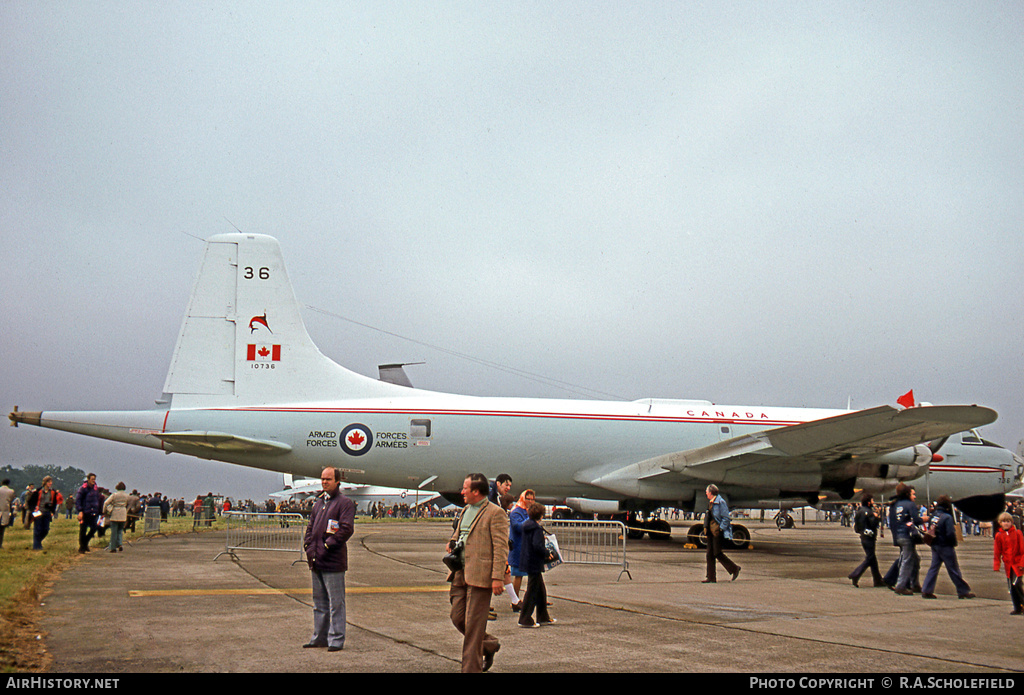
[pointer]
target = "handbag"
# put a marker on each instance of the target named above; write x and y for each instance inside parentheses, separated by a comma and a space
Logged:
(554, 553)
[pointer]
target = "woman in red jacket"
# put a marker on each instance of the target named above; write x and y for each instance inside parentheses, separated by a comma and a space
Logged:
(1009, 548)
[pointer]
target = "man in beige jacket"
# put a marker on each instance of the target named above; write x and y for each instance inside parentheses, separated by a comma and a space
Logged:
(482, 531)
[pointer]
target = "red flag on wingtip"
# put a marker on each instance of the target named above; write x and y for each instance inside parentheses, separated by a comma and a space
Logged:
(907, 399)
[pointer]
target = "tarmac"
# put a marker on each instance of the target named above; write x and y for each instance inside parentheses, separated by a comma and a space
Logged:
(165, 605)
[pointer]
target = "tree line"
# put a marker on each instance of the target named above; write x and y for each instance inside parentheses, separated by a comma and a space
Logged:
(67, 480)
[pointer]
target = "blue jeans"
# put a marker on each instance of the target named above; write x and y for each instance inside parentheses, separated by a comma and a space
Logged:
(944, 555)
(116, 534)
(40, 530)
(328, 608)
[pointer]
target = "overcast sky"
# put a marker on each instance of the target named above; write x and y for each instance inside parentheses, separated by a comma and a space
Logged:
(802, 204)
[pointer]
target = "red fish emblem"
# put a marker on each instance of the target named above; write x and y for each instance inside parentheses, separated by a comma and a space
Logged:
(257, 321)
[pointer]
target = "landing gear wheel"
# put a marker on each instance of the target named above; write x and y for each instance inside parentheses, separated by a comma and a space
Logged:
(740, 537)
(634, 533)
(659, 530)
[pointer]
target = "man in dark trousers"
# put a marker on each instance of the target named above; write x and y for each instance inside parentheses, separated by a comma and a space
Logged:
(866, 524)
(718, 530)
(331, 524)
(944, 552)
(89, 502)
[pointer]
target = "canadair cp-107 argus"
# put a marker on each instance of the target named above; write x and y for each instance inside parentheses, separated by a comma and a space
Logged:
(247, 386)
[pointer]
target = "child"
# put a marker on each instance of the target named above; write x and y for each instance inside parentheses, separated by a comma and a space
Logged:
(1009, 547)
(533, 556)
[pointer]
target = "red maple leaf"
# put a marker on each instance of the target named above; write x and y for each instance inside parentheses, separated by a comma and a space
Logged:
(264, 351)
(356, 438)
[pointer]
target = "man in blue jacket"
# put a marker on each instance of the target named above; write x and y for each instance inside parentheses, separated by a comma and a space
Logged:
(904, 521)
(331, 524)
(944, 552)
(89, 502)
(718, 529)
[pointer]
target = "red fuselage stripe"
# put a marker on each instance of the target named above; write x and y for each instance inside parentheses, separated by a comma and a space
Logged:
(519, 414)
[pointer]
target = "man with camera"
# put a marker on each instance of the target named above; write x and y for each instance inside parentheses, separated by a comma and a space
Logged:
(478, 551)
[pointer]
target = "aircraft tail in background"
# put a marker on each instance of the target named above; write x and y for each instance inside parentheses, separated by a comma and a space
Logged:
(243, 341)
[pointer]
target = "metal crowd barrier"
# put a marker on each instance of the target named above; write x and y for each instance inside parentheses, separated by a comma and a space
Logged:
(591, 542)
(269, 531)
(151, 523)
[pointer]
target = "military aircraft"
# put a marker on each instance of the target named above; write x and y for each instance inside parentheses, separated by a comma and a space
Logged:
(247, 385)
(363, 495)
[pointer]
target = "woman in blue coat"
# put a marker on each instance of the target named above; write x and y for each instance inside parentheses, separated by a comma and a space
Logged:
(519, 515)
(532, 558)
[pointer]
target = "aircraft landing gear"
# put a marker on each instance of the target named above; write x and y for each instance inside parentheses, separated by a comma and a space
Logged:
(656, 529)
(695, 536)
(659, 530)
(783, 520)
(740, 536)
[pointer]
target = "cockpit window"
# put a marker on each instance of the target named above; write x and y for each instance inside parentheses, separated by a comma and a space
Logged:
(971, 437)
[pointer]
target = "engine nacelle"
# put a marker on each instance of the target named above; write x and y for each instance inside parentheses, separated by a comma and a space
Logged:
(905, 464)
(876, 486)
(588, 506)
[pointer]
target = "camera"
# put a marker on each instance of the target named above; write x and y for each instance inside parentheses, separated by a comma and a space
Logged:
(453, 560)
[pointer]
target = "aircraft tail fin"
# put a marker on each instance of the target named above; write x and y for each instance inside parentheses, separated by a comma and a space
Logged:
(243, 341)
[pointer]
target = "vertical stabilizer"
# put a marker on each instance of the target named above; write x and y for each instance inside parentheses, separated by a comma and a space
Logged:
(243, 341)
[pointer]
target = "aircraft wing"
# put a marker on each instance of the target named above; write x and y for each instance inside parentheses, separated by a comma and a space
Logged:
(798, 457)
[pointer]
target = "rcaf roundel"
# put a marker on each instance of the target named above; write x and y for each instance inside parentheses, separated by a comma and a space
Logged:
(356, 439)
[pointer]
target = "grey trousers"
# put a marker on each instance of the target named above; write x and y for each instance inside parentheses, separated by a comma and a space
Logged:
(328, 608)
(910, 563)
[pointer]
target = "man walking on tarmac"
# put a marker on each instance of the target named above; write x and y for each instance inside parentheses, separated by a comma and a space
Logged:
(481, 541)
(718, 529)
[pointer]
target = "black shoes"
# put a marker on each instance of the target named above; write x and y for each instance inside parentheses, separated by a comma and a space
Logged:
(489, 659)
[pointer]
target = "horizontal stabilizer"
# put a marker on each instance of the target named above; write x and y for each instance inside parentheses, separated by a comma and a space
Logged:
(220, 442)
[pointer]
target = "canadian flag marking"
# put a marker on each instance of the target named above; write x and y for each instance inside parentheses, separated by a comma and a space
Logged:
(266, 353)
